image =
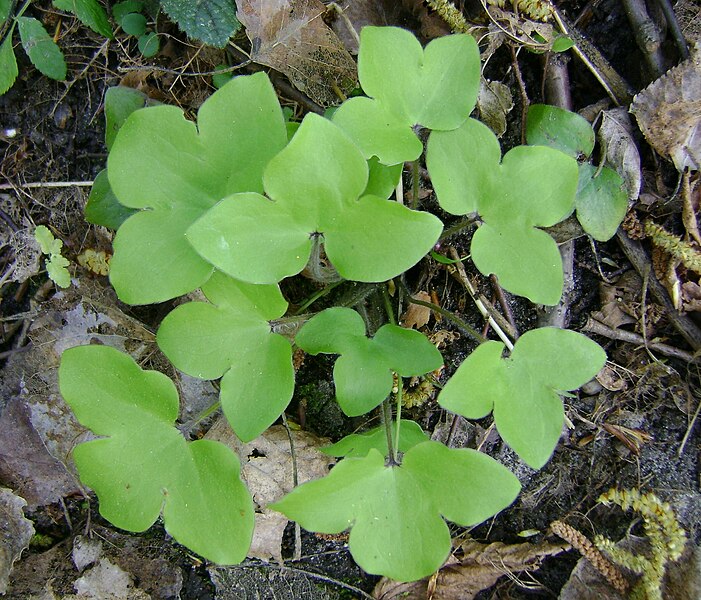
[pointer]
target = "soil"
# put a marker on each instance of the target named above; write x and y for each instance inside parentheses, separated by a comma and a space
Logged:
(636, 429)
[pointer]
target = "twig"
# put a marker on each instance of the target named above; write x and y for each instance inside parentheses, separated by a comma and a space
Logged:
(295, 482)
(504, 303)
(689, 429)
(638, 258)
(525, 102)
(647, 35)
(594, 326)
(45, 184)
(674, 28)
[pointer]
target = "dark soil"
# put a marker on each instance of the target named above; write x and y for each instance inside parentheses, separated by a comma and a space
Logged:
(59, 137)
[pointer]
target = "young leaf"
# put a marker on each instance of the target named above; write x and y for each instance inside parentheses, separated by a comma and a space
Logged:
(357, 445)
(363, 372)
(212, 22)
(8, 65)
(231, 337)
(514, 197)
(173, 171)
(143, 467)
(103, 208)
(560, 129)
(602, 201)
(56, 270)
(394, 513)
(149, 44)
(45, 55)
(523, 389)
(314, 184)
(90, 13)
(435, 87)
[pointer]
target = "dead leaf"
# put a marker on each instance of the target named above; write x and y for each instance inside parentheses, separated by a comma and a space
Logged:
(266, 467)
(609, 378)
(691, 296)
(291, 36)
(416, 315)
(480, 568)
(15, 533)
(494, 102)
(616, 137)
(356, 14)
(668, 112)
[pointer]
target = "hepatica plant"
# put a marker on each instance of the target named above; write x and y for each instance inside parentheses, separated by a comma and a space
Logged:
(231, 204)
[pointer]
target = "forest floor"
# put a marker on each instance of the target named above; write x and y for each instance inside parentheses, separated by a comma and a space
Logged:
(635, 426)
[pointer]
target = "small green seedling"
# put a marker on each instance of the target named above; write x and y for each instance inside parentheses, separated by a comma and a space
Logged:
(56, 263)
(130, 18)
(240, 199)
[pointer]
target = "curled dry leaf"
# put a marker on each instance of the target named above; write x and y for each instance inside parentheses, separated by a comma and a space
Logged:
(480, 568)
(668, 112)
(416, 315)
(291, 36)
(494, 102)
(615, 135)
(15, 533)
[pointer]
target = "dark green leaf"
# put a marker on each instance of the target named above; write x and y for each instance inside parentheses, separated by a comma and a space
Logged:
(90, 13)
(8, 65)
(149, 44)
(5, 7)
(210, 21)
(134, 24)
(120, 102)
(103, 208)
(560, 129)
(42, 50)
(121, 9)
(601, 201)
(219, 79)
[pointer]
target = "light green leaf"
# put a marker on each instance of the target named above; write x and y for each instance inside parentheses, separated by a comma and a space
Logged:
(142, 466)
(363, 373)
(314, 184)
(602, 201)
(382, 180)
(524, 388)
(231, 337)
(174, 170)
(435, 87)
(357, 445)
(120, 102)
(8, 65)
(394, 513)
(212, 22)
(56, 269)
(47, 242)
(90, 13)
(45, 55)
(560, 129)
(531, 187)
(562, 43)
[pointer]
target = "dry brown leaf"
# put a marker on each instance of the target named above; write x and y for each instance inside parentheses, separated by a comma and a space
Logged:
(291, 36)
(668, 112)
(15, 533)
(616, 136)
(482, 565)
(494, 102)
(609, 378)
(266, 467)
(691, 296)
(416, 315)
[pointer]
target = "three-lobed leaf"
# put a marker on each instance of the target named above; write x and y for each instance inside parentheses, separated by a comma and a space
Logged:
(142, 466)
(523, 389)
(394, 513)
(230, 337)
(531, 187)
(174, 170)
(363, 372)
(357, 445)
(435, 87)
(314, 189)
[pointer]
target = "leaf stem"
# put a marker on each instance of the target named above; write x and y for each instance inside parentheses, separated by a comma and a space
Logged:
(316, 295)
(400, 386)
(388, 305)
(415, 184)
(459, 226)
(386, 414)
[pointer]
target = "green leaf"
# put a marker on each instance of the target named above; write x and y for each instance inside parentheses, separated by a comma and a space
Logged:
(394, 513)
(435, 87)
(382, 179)
(57, 272)
(134, 24)
(103, 208)
(45, 55)
(149, 44)
(363, 373)
(90, 13)
(5, 8)
(174, 170)
(219, 79)
(8, 65)
(47, 242)
(602, 201)
(562, 43)
(533, 186)
(524, 389)
(357, 445)
(314, 184)
(231, 337)
(143, 467)
(120, 102)
(121, 9)
(212, 22)
(560, 129)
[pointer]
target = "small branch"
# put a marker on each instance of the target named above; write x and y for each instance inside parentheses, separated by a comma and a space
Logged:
(45, 184)
(594, 326)
(647, 35)
(674, 27)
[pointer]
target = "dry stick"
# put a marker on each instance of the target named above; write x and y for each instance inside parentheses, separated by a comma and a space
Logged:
(638, 258)
(594, 326)
(45, 184)
(295, 482)
(504, 303)
(481, 303)
(647, 35)
(674, 28)
(557, 87)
